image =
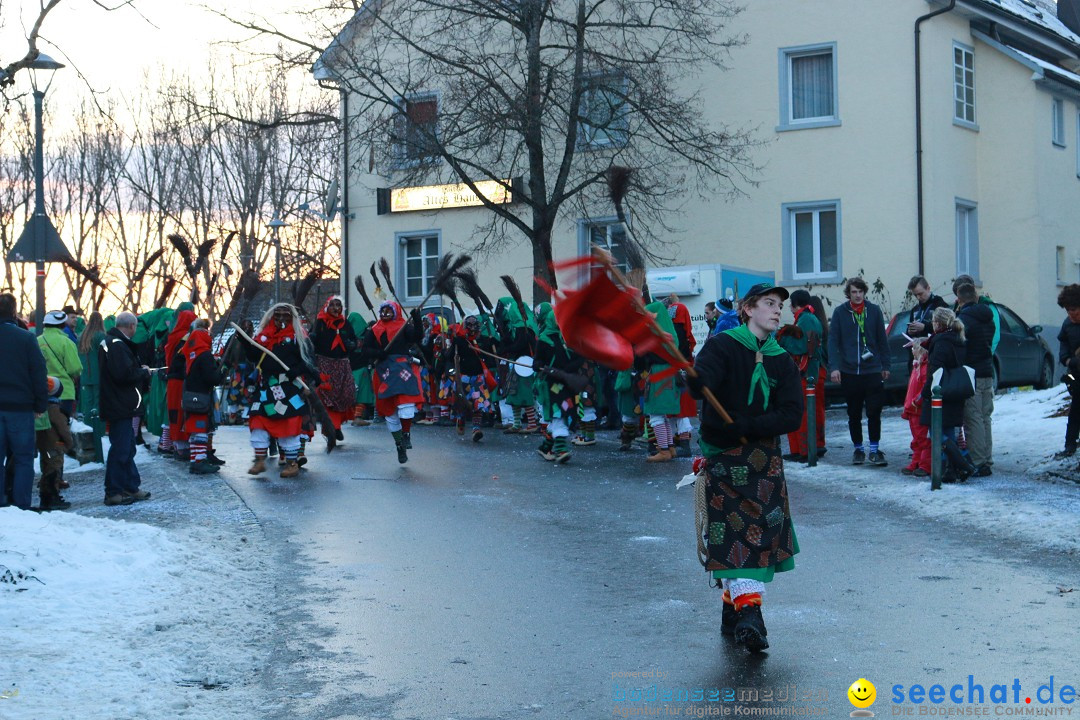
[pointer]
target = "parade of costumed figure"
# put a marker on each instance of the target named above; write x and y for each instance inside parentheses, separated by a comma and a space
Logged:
(173, 439)
(202, 374)
(559, 381)
(518, 340)
(684, 339)
(432, 345)
(365, 395)
(662, 396)
(746, 530)
(334, 342)
(280, 406)
(471, 381)
(396, 377)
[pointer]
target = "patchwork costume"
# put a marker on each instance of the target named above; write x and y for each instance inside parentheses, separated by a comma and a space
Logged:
(396, 377)
(334, 341)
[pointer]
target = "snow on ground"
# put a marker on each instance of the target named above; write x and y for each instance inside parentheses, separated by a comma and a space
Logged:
(111, 619)
(1030, 497)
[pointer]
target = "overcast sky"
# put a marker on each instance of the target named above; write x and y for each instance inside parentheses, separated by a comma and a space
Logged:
(114, 50)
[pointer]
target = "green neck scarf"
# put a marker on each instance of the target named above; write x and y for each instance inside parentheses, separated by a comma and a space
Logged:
(760, 379)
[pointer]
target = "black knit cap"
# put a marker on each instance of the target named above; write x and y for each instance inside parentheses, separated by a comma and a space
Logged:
(766, 288)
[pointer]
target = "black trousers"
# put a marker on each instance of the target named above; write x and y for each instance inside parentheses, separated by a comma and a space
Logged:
(863, 391)
(1072, 429)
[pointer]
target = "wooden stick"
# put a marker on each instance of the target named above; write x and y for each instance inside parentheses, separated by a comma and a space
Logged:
(604, 258)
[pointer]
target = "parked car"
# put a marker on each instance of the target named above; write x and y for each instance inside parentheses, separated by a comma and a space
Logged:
(1022, 357)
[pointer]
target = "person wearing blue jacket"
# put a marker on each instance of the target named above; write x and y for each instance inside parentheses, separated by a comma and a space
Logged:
(859, 360)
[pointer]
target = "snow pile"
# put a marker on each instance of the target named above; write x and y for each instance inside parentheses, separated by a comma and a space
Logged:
(112, 619)
(1031, 497)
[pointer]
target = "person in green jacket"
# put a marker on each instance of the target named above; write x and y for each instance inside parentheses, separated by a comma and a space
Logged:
(89, 341)
(365, 394)
(661, 393)
(61, 357)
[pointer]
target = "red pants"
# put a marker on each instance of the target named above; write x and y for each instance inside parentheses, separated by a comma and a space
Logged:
(797, 440)
(920, 445)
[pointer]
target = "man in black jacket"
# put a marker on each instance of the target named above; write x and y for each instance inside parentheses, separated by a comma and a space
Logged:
(22, 396)
(123, 381)
(978, 321)
(920, 317)
(1069, 355)
(859, 360)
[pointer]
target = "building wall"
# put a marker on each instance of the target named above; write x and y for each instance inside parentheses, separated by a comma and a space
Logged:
(1025, 188)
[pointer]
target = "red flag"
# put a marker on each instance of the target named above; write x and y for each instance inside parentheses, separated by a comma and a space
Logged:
(608, 324)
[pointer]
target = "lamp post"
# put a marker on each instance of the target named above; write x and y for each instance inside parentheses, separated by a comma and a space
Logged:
(39, 241)
(276, 224)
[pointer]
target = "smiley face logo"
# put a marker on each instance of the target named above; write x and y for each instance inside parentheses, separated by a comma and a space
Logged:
(862, 693)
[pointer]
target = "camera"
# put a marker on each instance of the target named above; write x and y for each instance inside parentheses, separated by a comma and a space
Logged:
(867, 355)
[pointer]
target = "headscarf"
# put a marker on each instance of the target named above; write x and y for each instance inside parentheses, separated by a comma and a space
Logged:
(197, 343)
(358, 323)
(176, 335)
(549, 327)
(386, 331)
(334, 323)
(513, 315)
(680, 315)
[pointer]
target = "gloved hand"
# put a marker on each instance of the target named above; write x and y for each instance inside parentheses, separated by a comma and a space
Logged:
(695, 382)
(738, 428)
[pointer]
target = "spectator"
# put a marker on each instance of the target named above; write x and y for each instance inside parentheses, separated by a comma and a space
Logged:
(71, 326)
(983, 300)
(92, 336)
(123, 380)
(23, 396)
(53, 440)
(913, 402)
(921, 315)
(859, 360)
(61, 357)
(1069, 355)
(728, 319)
(947, 350)
(711, 315)
(978, 320)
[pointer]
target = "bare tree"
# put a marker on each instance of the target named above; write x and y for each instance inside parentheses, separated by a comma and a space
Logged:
(558, 91)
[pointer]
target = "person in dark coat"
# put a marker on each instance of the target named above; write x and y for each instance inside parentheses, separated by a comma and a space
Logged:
(23, 395)
(123, 383)
(1069, 356)
(921, 316)
(947, 350)
(748, 535)
(979, 330)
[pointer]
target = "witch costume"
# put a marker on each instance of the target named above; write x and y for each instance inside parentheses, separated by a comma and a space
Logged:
(748, 535)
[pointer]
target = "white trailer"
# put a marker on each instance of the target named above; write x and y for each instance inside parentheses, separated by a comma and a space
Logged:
(696, 285)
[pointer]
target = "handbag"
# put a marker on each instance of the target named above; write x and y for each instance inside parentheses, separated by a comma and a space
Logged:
(957, 383)
(196, 402)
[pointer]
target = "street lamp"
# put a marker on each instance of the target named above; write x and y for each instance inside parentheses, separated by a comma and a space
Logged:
(39, 241)
(276, 224)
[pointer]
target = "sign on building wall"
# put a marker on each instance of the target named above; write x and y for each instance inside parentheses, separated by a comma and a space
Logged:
(442, 197)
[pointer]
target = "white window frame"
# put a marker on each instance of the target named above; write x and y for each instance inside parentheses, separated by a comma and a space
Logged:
(967, 238)
(786, 55)
(617, 132)
(960, 88)
(1057, 122)
(1078, 144)
(402, 240)
(400, 150)
(788, 214)
(609, 224)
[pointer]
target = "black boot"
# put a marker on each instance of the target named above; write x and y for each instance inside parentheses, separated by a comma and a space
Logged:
(960, 466)
(750, 629)
(626, 437)
(406, 439)
(729, 618)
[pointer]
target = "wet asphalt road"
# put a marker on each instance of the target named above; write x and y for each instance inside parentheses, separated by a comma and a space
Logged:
(481, 582)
